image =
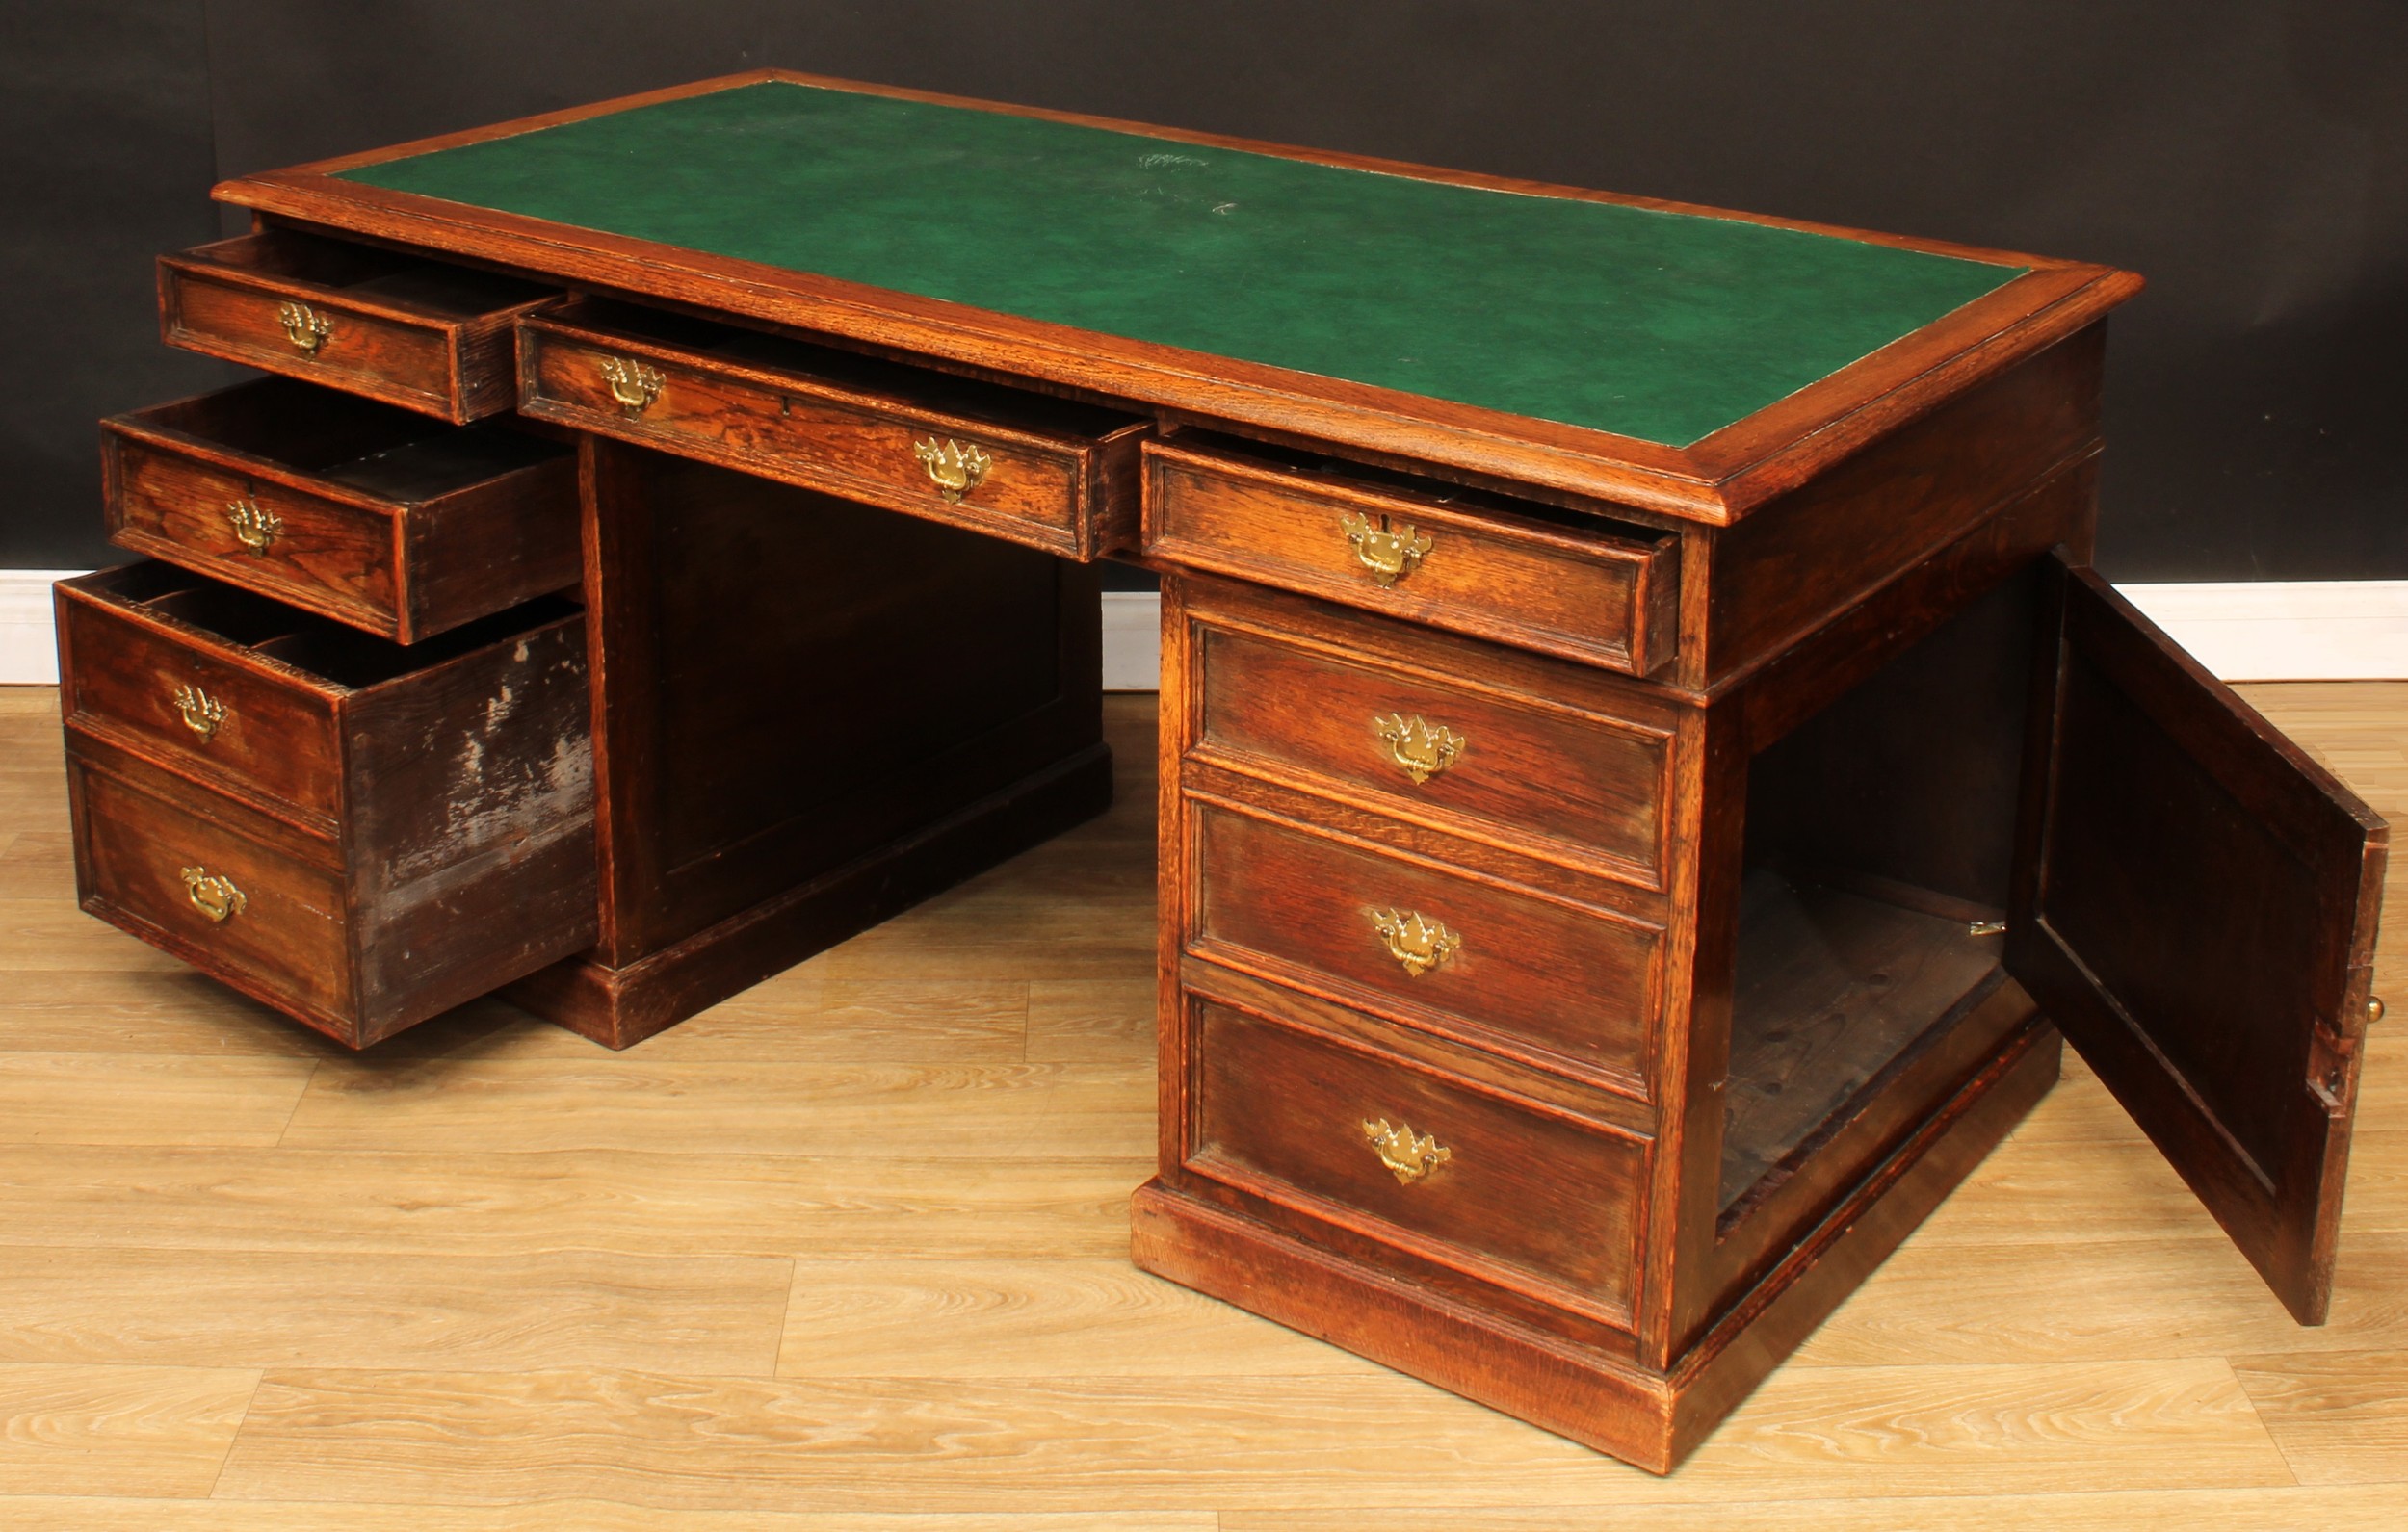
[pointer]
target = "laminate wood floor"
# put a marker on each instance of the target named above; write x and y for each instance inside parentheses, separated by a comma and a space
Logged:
(849, 1251)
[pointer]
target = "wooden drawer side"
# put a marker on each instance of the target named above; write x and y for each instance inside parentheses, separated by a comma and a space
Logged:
(472, 823)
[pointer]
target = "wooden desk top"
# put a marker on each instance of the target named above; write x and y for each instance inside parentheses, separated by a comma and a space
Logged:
(1666, 356)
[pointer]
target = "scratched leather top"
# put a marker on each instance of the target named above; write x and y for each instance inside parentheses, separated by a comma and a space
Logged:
(1664, 327)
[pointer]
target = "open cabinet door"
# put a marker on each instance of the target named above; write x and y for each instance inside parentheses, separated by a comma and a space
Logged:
(2195, 903)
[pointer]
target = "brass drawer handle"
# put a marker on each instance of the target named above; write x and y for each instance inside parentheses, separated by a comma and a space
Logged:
(304, 327)
(1414, 940)
(2374, 1009)
(1419, 749)
(1408, 1156)
(202, 712)
(632, 385)
(212, 895)
(1388, 553)
(953, 468)
(253, 528)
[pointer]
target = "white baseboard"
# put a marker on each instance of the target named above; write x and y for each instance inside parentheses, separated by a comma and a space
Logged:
(29, 640)
(1132, 640)
(2328, 630)
(2286, 630)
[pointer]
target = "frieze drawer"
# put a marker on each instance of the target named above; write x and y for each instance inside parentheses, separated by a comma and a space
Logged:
(1009, 463)
(1582, 588)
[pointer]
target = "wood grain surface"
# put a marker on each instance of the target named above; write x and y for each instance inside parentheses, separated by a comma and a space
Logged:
(848, 1253)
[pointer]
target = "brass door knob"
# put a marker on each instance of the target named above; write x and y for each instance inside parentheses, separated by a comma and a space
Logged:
(2374, 1009)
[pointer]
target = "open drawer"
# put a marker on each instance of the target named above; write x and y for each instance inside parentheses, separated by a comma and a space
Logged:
(367, 514)
(424, 334)
(358, 834)
(1003, 462)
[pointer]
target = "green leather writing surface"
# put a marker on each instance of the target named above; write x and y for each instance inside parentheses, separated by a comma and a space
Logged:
(1660, 325)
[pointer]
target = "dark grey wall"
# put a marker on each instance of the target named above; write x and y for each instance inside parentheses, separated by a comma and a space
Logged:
(2251, 159)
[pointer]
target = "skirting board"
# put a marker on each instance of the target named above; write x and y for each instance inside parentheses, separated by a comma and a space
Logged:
(2326, 629)
(29, 638)
(2306, 629)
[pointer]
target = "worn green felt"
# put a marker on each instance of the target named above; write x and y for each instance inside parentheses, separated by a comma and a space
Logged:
(1660, 325)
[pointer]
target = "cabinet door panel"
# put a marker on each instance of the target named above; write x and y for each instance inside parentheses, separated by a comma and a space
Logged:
(2195, 907)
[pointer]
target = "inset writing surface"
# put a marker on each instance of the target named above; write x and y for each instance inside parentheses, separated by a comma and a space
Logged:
(1664, 327)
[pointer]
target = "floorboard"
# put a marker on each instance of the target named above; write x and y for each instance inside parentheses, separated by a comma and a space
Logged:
(847, 1254)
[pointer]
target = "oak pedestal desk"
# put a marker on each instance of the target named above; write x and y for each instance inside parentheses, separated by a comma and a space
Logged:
(1647, 773)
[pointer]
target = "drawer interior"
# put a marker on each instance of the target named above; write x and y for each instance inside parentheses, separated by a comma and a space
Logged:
(1878, 851)
(1344, 474)
(332, 654)
(908, 386)
(434, 289)
(393, 454)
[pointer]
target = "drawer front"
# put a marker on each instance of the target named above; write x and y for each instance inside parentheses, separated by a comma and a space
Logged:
(1476, 1180)
(1515, 971)
(211, 891)
(329, 557)
(433, 339)
(1063, 494)
(1593, 596)
(195, 704)
(491, 520)
(1553, 780)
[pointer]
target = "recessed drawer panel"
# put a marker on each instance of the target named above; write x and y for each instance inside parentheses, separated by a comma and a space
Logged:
(169, 662)
(376, 517)
(1534, 773)
(423, 335)
(1516, 572)
(443, 793)
(1426, 1160)
(209, 881)
(1010, 464)
(1465, 958)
